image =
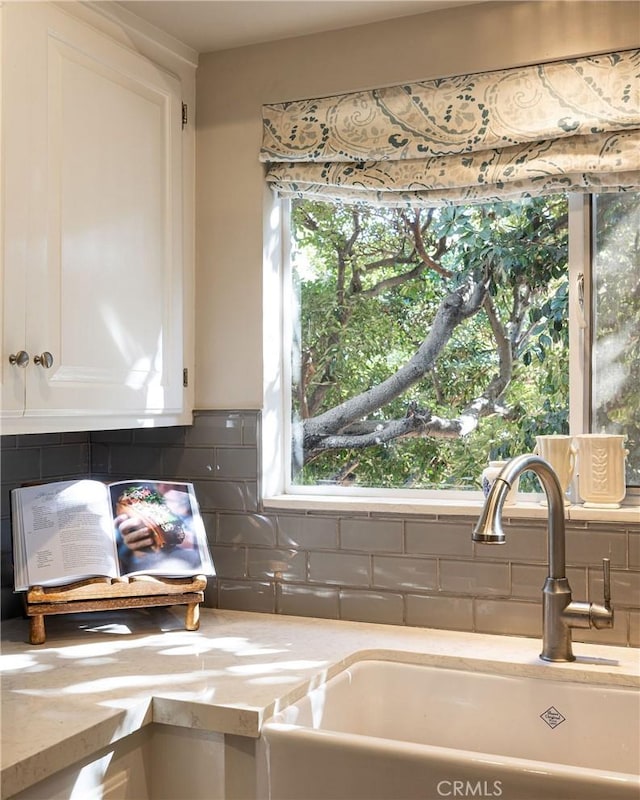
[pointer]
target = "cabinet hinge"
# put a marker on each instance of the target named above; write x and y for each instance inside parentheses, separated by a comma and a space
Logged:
(185, 114)
(185, 377)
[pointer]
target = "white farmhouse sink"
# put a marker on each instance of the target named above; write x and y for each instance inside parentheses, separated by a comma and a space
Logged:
(395, 731)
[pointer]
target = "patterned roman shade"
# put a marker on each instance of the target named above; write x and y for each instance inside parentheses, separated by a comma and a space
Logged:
(565, 126)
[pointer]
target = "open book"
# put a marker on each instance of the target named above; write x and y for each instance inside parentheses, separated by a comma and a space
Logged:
(72, 530)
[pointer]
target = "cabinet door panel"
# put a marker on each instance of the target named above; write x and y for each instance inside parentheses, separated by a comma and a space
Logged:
(15, 197)
(105, 290)
(113, 272)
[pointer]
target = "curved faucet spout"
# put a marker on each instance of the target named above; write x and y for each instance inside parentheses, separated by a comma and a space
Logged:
(559, 612)
(489, 527)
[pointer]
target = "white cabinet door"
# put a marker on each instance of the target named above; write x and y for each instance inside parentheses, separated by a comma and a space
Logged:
(14, 213)
(93, 221)
(118, 772)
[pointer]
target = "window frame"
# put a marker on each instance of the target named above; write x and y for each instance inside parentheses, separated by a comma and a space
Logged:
(276, 489)
(580, 299)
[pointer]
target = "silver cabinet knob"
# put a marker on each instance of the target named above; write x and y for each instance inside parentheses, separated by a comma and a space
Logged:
(19, 359)
(44, 360)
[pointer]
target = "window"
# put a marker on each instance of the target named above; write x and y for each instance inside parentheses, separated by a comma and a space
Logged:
(429, 336)
(615, 396)
(426, 341)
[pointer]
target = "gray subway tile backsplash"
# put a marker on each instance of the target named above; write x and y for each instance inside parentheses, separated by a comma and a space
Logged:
(415, 570)
(625, 587)
(405, 573)
(527, 581)
(444, 611)
(634, 628)
(135, 460)
(175, 436)
(634, 550)
(525, 542)
(247, 595)
(475, 578)
(251, 529)
(439, 538)
(21, 464)
(307, 532)
(367, 606)
(115, 437)
(189, 462)
(590, 546)
(216, 428)
(371, 535)
(287, 565)
(510, 617)
(227, 495)
(65, 460)
(345, 569)
(308, 601)
(230, 561)
(235, 462)
(250, 429)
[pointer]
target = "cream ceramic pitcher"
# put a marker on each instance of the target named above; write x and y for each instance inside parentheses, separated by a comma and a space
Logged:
(601, 465)
(558, 450)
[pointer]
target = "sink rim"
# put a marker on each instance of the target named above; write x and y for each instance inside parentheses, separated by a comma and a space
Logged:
(550, 679)
(585, 669)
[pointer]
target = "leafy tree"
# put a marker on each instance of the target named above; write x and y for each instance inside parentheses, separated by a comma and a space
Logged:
(429, 340)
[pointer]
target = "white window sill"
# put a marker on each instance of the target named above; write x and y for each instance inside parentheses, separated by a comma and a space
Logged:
(437, 507)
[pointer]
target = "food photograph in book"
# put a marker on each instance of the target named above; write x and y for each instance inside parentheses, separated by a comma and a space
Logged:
(159, 529)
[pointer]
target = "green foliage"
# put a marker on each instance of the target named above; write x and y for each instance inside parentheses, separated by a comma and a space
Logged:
(368, 300)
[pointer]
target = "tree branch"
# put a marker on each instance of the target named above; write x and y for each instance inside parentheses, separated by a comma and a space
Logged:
(414, 226)
(396, 280)
(504, 347)
(454, 308)
(419, 423)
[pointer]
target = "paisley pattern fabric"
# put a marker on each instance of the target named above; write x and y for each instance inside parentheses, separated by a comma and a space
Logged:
(572, 125)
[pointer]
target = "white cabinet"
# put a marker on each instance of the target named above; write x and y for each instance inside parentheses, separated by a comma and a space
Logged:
(94, 275)
(119, 772)
(158, 762)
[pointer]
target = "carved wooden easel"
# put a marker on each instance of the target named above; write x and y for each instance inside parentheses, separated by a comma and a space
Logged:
(105, 594)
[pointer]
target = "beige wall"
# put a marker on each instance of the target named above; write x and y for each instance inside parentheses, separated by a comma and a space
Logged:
(232, 86)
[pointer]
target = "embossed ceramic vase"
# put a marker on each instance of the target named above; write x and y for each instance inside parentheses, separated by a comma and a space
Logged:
(559, 451)
(601, 464)
(489, 474)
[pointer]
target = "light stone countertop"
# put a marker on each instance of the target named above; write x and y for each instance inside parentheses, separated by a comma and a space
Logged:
(102, 676)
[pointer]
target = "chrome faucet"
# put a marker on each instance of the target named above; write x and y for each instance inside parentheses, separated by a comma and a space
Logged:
(559, 612)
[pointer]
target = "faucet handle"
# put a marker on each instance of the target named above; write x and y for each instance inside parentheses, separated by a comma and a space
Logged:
(602, 616)
(606, 577)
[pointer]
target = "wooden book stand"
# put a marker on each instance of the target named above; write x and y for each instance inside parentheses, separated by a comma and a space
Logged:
(105, 594)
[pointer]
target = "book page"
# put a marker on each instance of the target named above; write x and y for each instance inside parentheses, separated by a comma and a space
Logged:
(159, 529)
(66, 532)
